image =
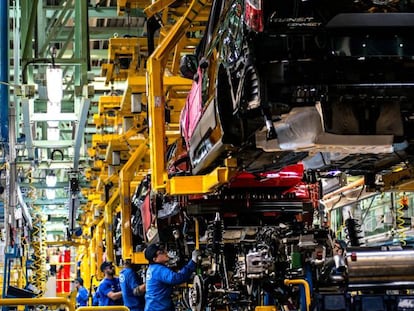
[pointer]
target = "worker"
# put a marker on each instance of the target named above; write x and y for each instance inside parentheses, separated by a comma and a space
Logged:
(82, 295)
(133, 289)
(160, 279)
(110, 293)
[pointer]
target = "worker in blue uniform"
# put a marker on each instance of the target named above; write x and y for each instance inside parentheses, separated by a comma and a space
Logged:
(160, 279)
(110, 293)
(133, 289)
(82, 293)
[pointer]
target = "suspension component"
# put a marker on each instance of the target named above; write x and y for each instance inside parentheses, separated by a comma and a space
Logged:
(39, 277)
(353, 230)
(215, 235)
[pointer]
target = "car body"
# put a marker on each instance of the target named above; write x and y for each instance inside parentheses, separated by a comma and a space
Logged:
(298, 78)
(258, 198)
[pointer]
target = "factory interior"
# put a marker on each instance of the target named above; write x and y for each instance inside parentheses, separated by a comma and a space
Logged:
(274, 137)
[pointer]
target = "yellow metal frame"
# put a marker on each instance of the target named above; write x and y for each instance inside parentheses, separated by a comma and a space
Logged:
(108, 221)
(157, 6)
(99, 248)
(108, 308)
(265, 308)
(37, 301)
(181, 185)
(305, 285)
(126, 176)
(134, 148)
(135, 48)
(122, 5)
(156, 104)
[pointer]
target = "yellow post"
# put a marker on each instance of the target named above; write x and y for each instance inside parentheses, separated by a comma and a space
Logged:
(99, 248)
(305, 284)
(197, 234)
(265, 308)
(156, 94)
(92, 256)
(126, 175)
(109, 225)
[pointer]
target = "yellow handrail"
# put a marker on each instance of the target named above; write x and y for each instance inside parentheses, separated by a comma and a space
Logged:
(36, 301)
(109, 308)
(305, 285)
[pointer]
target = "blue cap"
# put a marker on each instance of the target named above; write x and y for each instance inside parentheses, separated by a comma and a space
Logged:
(151, 251)
(105, 264)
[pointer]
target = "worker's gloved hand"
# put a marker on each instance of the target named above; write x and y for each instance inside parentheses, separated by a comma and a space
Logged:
(194, 255)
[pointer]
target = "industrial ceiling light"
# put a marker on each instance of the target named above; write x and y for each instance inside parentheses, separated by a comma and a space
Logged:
(51, 180)
(54, 84)
(50, 194)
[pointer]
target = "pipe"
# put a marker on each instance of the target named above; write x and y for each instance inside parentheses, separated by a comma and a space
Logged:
(197, 234)
(4, 70)
(356, 183)
(80, 131)
(305, 284)
(25, 208)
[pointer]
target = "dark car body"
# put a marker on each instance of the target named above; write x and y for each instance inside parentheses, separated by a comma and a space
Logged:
(302, 77)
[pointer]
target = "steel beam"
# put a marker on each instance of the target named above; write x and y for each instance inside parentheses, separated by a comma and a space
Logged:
(80, 131)
(4, 71)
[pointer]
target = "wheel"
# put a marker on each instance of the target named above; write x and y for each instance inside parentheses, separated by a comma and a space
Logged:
(196, 294)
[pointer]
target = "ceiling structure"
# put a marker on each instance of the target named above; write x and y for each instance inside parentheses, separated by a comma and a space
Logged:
(82, 140)
(52, 139)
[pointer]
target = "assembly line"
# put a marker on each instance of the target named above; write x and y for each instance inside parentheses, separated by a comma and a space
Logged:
(221, 155)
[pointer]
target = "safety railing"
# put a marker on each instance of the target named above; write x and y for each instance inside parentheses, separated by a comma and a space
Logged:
(106, 308)
(306, 289)
(8, 302)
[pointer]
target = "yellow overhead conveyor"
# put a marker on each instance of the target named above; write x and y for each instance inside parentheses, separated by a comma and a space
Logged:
(156, 66)
(126, 56)
(122, 151)
(125, 5)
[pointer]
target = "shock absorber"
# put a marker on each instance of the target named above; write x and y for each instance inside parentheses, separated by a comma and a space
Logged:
(353, 230)
(215, 235)
(216, 245)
